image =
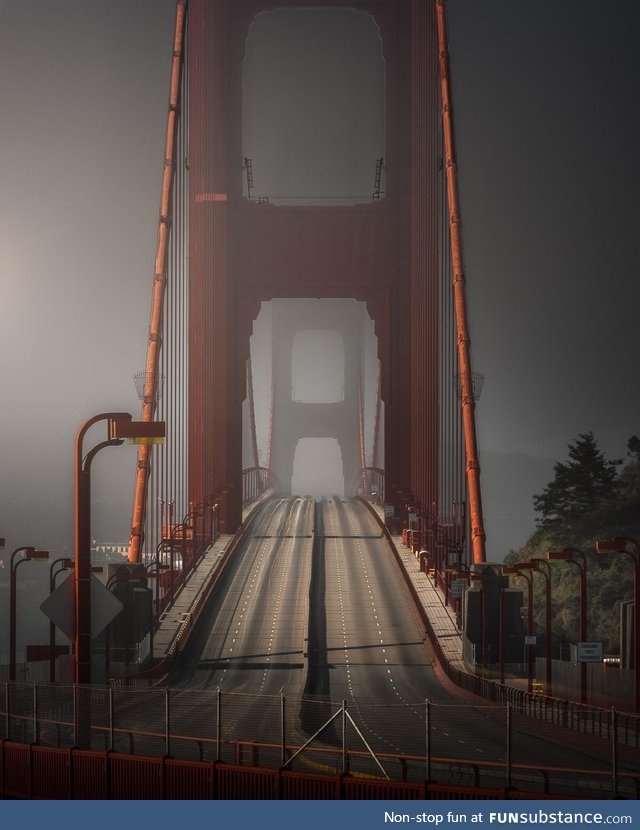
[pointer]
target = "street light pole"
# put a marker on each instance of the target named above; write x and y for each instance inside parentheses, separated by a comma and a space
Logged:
(546, 572)
(65, 565)
(29, 554)
(120, 426)
(619, 545)
(568, 555)
(517, 571)
(502, 632)
(119, 576)
(159, 568)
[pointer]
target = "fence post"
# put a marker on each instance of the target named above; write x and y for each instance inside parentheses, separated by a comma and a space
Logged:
(283, 729)
(218, 708)
(427, 717)
(167, 720)
(508, 745)
(35, 712)
(111, 723)
(75, 714)
(614, 753)
(344, 737)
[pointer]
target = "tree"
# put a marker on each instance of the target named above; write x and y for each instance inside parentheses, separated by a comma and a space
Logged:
(628, 495)
(581, 485)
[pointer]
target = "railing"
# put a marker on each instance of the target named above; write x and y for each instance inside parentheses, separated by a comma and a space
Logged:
(206, 727)
(369, 483)
(28, 771)
(589, 720)
(255, 482)
(184, 544)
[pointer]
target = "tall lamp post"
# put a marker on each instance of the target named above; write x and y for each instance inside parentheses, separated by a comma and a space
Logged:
(29, 555)
(516, 570)
(569, 555)
(536, 565)
(154, 574)
(619, 544)
(65, 565)
(122, 576)
(120, 426)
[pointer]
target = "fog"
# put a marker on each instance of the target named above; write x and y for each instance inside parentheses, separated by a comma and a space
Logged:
(322, 351)
(547, 129)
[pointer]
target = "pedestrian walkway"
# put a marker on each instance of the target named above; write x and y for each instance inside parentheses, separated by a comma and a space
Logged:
(441, 617)
(176, 619)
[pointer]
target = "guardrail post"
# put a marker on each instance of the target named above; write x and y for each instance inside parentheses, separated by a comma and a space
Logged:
(35, 712)
(427, 718)
(614, 753)
(218, 709)
(75, 714)
(508, 745)
(344, 737)
(283, 728)
(111, 724)
(167, 720)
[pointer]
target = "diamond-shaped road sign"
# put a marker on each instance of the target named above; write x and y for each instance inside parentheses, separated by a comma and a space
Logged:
(60, 607)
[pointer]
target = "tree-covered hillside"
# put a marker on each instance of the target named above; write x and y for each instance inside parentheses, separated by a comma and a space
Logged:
(590, 498)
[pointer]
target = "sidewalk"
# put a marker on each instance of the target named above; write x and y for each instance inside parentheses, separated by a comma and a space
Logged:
(441, 616)
(177, 616)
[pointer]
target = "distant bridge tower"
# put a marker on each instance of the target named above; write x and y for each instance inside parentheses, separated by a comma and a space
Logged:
(294, 419)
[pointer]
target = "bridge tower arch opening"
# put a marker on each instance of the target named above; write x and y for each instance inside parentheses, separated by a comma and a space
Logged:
(313, 109)
(317, 366)
(318, 469)
(315, 378)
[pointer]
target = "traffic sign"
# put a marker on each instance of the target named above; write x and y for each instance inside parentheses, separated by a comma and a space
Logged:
(457, 587)
(60, 607)
(589, 652)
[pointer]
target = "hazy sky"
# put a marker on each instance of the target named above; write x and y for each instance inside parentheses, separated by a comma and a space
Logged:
(546, 110)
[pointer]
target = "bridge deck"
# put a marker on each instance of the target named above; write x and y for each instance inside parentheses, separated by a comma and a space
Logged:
(441, 617)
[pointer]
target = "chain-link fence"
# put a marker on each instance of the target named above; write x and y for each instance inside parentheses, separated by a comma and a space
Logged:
(481, 746)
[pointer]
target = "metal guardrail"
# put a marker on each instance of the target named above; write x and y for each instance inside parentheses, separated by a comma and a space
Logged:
(209, 726)
(255, 483)
(28, 771)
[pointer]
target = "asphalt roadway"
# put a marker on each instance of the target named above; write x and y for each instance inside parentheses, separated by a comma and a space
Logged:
(313, 606)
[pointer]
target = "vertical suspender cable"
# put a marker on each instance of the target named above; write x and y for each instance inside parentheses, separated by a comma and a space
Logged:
(159, 285)
(464, 353)
(252, 415)
(271, 408)
(376, 426)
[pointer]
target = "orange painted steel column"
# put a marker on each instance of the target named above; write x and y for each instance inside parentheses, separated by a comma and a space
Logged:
(464, 354)
(159, 285)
